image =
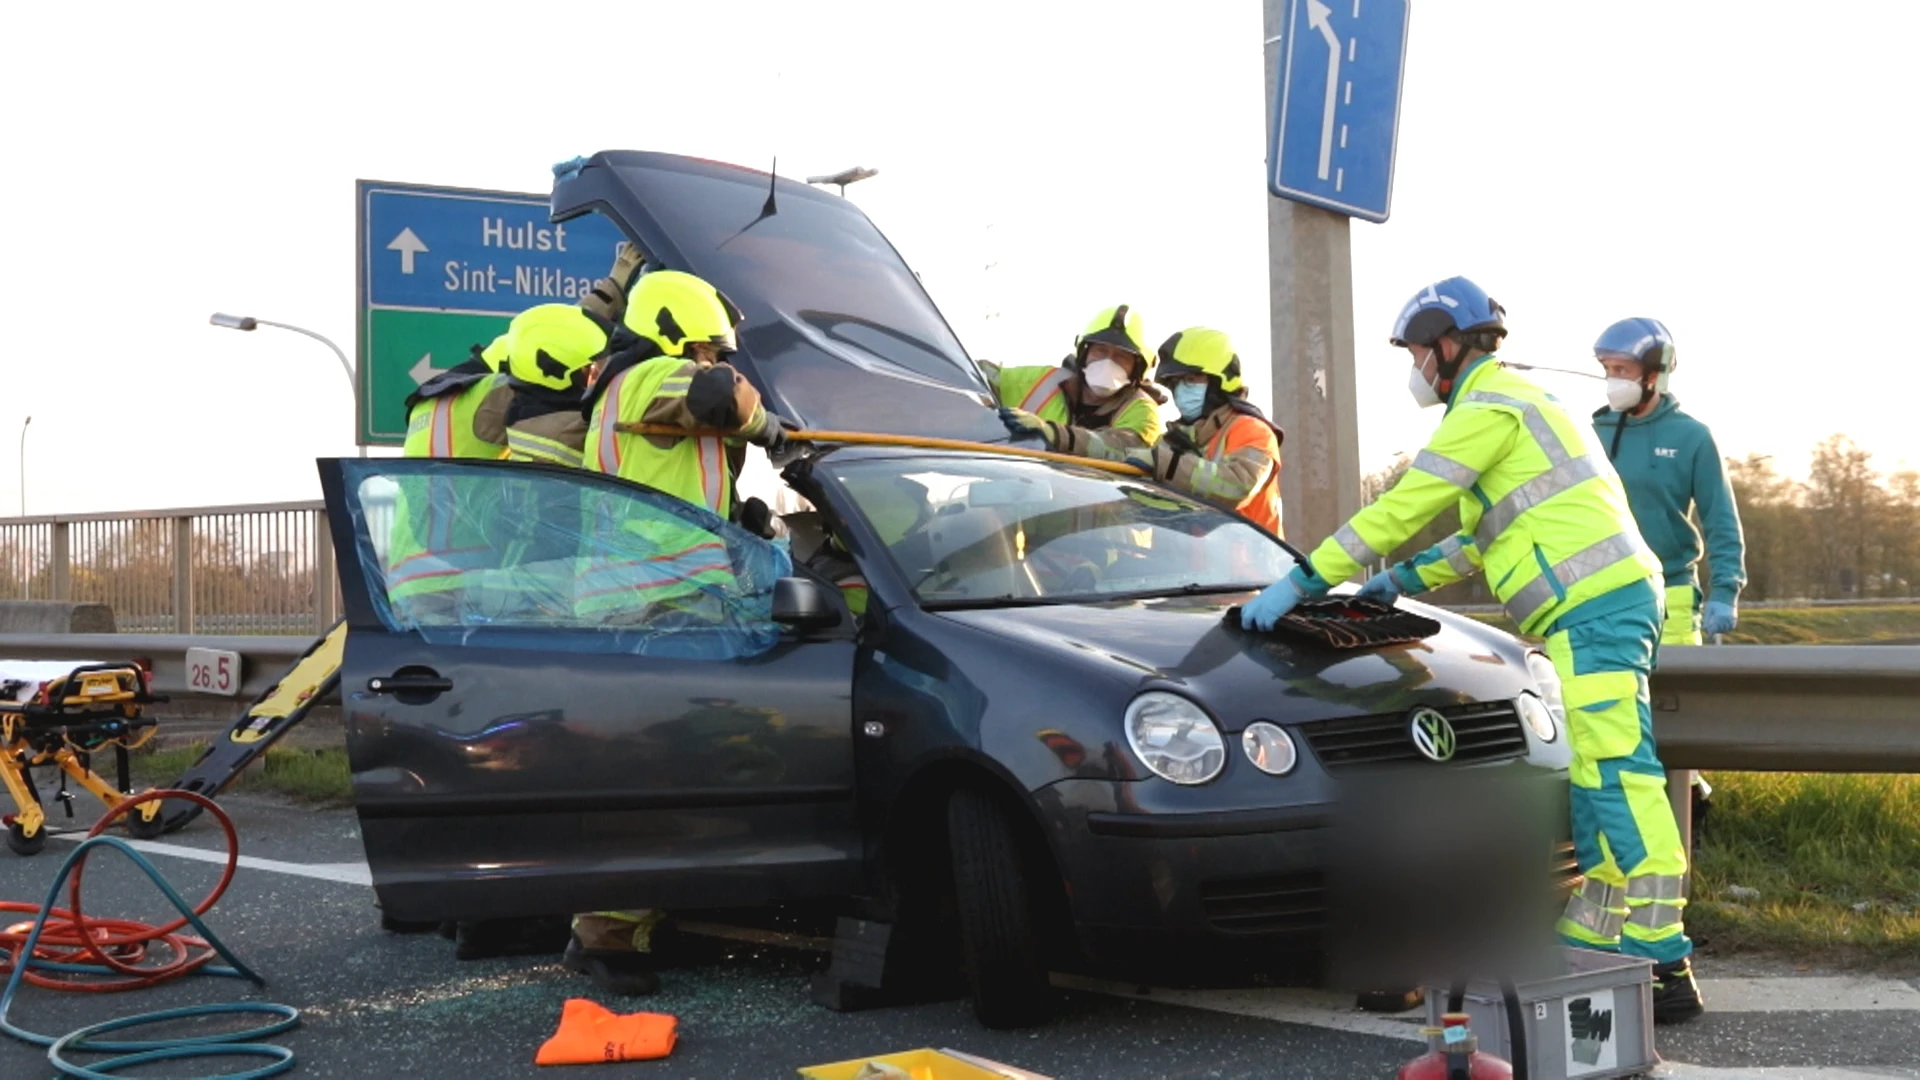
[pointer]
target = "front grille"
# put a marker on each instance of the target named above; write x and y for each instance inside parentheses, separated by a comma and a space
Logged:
(1484, 732)
(1286, 903)
(1297, 903)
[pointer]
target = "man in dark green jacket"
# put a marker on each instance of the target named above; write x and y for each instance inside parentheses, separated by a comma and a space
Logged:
(1671, 467)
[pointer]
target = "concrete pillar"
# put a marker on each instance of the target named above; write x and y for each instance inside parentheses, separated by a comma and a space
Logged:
(1310, 278)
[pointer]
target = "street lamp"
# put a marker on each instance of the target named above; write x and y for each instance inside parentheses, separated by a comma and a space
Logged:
(845, 177)
(248, 322)
(23, 465)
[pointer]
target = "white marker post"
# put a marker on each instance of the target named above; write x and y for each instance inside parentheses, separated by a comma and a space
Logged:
(1310, 282)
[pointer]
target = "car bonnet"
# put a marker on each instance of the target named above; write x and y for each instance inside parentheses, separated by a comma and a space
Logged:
(838, 333)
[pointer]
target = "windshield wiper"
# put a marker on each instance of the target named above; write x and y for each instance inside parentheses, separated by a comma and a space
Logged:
(1008, 600)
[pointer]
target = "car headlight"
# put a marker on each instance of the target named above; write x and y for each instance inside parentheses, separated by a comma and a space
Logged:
(1174, 738)
(1534, 713)
(1548, 680)
(1270, 748)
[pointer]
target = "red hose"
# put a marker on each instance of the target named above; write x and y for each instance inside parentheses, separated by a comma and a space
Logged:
(121, 945)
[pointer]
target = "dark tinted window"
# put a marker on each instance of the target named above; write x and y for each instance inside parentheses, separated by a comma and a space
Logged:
(817, 261)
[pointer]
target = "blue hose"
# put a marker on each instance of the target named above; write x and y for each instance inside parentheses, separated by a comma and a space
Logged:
(245, 1043)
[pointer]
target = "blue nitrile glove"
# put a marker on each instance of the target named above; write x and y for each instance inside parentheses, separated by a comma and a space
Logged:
(1382, 588)
(1718, 618)
(1265, 611)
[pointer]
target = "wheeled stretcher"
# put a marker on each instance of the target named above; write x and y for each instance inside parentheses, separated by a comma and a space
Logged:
(54, 715)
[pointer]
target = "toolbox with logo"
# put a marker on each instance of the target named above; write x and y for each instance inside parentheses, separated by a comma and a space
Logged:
(1592, 1022)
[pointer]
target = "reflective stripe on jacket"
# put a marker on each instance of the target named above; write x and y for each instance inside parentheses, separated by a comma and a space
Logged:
(1541, 510)
(458, 417)
(655, 392)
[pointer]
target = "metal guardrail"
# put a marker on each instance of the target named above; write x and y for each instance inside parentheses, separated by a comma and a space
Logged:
(1787, 708)
(1745, 605)
(257, 569)
(263, 659)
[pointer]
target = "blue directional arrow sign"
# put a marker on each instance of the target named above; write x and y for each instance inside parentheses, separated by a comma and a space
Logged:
(1338, 106)
(443, 269)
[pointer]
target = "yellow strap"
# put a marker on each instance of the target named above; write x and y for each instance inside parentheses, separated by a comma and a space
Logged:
(919, 442)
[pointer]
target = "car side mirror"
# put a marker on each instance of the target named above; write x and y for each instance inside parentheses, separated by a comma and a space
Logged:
(804, 605)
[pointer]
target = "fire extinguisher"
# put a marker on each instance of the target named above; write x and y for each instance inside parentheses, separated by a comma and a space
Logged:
(1456, 1053)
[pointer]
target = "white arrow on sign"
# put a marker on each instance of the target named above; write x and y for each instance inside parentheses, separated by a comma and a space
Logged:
(409, 245)
(422, 369)
(1317, 15)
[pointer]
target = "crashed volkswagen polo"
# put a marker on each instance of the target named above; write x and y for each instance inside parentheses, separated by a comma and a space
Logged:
(1041, 728)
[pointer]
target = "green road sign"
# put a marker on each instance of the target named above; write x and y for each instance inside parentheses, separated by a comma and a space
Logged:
(402, 349)
(444, 269)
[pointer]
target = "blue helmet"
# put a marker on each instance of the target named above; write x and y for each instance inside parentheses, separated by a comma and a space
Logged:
(1455, 305)
(1647, 342)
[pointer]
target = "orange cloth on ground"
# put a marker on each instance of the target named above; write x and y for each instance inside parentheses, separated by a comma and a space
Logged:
(590, 1033)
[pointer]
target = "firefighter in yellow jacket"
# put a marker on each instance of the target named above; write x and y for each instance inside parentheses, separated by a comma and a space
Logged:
(1544, 515)
(1099, 403)
(675, 376)
(1224, 449)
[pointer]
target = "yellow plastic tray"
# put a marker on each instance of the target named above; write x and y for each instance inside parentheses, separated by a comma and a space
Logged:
(923, 1064)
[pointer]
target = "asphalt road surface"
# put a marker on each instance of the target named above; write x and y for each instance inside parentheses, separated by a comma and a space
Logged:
(380, 1004)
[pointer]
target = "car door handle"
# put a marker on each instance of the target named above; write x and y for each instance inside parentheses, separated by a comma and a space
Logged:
(410, 683)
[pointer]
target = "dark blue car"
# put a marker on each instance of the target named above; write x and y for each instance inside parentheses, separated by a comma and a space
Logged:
(1041, 730)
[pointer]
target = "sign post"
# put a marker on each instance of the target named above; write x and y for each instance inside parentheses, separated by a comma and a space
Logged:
(443, 269)
(1333, 95)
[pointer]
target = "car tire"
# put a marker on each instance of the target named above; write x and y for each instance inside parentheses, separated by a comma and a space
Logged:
(1000, 945)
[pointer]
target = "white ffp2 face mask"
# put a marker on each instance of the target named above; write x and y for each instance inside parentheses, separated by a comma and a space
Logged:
(1623, 394)
(1104, 377)
(1423, 391)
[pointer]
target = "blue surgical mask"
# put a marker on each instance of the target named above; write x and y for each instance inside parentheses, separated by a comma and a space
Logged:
(1191, 399)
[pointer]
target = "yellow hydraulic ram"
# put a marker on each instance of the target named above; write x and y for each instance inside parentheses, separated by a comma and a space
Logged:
(918, 442)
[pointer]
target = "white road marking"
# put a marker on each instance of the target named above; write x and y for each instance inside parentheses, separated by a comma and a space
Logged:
(347, 873)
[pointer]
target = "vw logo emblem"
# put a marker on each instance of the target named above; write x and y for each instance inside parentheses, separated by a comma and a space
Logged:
(1432, 734)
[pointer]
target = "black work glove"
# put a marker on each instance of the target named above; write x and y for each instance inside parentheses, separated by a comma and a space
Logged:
(755, 517)
(773, 434)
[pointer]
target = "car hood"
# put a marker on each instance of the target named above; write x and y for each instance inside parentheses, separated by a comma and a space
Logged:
(837, 332)
(1186, 643)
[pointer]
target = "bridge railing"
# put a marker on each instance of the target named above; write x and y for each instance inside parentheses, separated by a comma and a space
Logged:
(230, 570)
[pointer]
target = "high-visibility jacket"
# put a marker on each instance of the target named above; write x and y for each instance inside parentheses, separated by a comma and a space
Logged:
(1238, 466)
(459, 413)
(1541, 509)
(655, 392)
(656, 560)
(436, 546)
(1129, 420)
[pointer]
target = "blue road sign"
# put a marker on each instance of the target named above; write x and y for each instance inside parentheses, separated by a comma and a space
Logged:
(446, 249)
(1339, 104)
(443, 269)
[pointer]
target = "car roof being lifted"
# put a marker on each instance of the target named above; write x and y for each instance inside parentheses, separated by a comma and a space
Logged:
(838, 333)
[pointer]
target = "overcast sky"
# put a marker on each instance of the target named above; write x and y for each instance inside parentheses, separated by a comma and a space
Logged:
(1739, 170)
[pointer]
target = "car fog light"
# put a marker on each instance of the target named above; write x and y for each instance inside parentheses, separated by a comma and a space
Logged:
(1174, 738)
(1269, 747)
(1538, 718)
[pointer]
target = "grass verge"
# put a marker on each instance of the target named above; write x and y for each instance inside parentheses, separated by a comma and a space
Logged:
(314, 776)
(1834, 861)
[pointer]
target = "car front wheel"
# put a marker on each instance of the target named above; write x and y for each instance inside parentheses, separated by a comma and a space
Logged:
(998, 935)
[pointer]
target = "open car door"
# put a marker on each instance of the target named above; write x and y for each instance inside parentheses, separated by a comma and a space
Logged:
(565, 693)
(837, 333)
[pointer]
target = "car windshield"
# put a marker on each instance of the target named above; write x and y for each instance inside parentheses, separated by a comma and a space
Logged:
(989, 533)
